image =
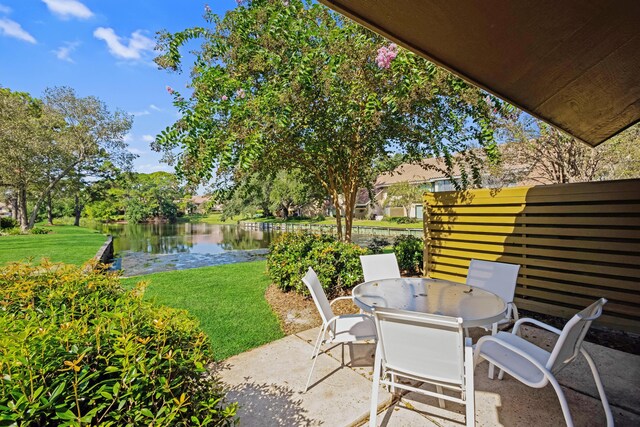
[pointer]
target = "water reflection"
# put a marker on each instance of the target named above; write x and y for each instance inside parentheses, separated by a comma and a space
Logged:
(150, 248)
(184, 238)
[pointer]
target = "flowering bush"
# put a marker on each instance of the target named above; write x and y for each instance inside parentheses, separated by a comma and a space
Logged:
(386, 55)
(76, 349)
(336, 263)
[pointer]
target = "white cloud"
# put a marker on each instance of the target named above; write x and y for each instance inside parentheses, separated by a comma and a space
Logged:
(137, 151)
(68, 9)
(132, 48)
(155, 107)
(127, 138)
(148, 138)
(11, 28)
(140, 113)
(5, 9)
(150, 168)
(64, 52)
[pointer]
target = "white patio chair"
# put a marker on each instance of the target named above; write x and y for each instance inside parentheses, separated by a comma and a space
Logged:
(342, 329)
(499, 278)
(380, 266)
(427, 348)
(535, 366)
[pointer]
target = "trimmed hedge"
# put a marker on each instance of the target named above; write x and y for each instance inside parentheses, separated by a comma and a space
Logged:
(77, 349)
(336, 263)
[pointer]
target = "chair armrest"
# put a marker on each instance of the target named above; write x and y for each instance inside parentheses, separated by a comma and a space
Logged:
(340, 298)
(508, 347)
(549, 328)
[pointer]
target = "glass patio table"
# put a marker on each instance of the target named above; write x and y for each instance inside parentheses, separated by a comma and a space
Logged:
(475, 306)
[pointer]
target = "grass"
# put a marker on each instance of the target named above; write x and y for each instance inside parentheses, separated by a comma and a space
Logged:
(66, 243)
(228, 300)
(213, 218)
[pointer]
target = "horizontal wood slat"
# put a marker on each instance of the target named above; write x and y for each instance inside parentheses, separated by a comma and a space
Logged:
(574, 242)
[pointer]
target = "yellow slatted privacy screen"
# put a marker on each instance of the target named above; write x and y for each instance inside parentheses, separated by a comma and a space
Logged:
(574, 242)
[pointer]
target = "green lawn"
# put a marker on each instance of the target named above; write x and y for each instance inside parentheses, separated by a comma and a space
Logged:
(66, 243)
(214, 218)
(228, 300)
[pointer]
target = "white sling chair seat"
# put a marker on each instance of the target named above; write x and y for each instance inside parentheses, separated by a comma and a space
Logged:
(537, 367)
(347, 328)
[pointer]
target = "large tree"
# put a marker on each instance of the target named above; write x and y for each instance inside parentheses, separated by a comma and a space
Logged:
(94, 140)
(545, 154)
(27, 148)
(62, 137)
(291, 85)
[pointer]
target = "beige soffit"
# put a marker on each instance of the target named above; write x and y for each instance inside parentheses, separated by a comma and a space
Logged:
(573, 63)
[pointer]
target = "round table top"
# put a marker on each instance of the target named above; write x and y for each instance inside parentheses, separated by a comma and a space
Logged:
(475, 306)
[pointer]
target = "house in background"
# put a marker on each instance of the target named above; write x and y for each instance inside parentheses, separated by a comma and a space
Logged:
(430, 176)
(5, 210)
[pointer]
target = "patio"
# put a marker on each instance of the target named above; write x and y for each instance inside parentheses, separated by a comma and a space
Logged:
(268, 383)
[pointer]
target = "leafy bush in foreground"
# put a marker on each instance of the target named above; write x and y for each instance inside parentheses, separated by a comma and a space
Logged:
(336, 263)
(77, 349)
(409, 252)
(7, 222)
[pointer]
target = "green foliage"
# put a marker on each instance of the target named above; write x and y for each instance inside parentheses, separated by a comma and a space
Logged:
(293, 86)
(236, 320)
(151, 196)
(377, 245)
(77, 350)
(39, 230)
(409, 252)
(403, 194)
(7, 222)
(336, 263)
(403, 220)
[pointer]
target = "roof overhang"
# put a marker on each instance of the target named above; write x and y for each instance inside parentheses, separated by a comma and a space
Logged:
(574, 64)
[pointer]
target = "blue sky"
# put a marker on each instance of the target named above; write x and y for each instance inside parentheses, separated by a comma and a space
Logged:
(102, 48)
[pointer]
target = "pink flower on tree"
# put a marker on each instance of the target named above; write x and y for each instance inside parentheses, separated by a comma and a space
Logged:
(224, 97)
(386, 55)
(240, 93)
(170, 89)
(285, 3)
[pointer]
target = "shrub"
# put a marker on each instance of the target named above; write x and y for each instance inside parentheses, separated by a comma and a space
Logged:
(409, 252)
(377, 245)
(77, 349)
(336, 263)
(403, 220)
(7, 222)
(39, 230)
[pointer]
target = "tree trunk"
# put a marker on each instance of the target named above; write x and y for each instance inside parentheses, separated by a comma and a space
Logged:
(49, 209)
(77, 211)
(285, 211)
(22, 209)
(14, 208)
(336, 205)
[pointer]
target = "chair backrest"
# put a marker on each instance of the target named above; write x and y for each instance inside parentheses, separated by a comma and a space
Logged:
(378, 267)
(422, 345)
(319, 297)
(496, 277)
(568, 345)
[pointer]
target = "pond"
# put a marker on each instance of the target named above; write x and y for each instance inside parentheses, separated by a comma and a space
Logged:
(150, 248)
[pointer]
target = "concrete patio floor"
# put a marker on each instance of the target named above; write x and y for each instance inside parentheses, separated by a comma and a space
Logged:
(268, 382)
